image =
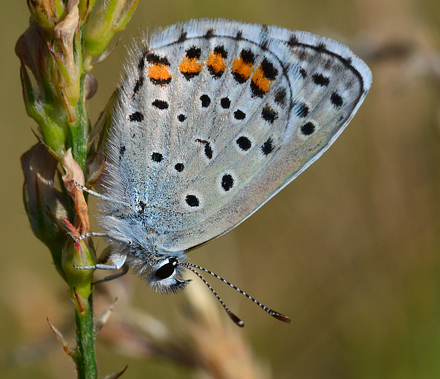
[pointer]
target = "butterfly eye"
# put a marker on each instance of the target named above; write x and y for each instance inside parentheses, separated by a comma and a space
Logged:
(167, 269)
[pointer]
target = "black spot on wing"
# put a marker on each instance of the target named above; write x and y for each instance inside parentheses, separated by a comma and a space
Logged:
(239, 115)
(321, 80)
(301, 109)
(138, 85)
(122, 151)
(336, 100)
(209, 34)
(302, 71)
(244, 143)
(160, 104)
(208, 149)
(192, 201)
(321, 47)
(308, 128)
(221, 51)
(227, 182)
(179, 167)
(193, 52)
(136, 117)
(157, 157)
(182, 37)
(225, 103)
(141, 63)
(248, 56)
(293, 40)
(267, 147)
(155, 59)
(269, 114)
(206, 100)
(280, 97)
(269, 70)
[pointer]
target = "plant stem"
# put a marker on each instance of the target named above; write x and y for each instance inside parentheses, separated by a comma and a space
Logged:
(85, 339)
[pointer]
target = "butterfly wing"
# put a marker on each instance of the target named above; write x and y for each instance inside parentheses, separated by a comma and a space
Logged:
(216, 117)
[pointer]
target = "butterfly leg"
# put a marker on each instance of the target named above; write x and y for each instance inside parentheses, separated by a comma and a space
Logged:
(115, 276)
(120, 263)
(93, 234)
(98, 195)
(100, 266)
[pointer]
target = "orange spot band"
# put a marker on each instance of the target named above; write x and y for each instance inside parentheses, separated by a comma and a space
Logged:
(159, 72)
(261, 81)
(216, 62)
(190, 66)
(242, 68)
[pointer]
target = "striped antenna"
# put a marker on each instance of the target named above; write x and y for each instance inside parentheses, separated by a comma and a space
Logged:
(237, 321)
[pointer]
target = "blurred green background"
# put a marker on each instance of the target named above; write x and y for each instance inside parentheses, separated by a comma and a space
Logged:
(350, 250)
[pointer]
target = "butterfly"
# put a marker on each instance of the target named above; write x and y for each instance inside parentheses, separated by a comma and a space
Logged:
(215, 117)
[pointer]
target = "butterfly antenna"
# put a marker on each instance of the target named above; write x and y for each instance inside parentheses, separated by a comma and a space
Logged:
(233, 317)
(277, 315)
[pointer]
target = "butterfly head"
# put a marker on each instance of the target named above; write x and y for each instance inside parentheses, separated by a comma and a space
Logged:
(166, 276)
